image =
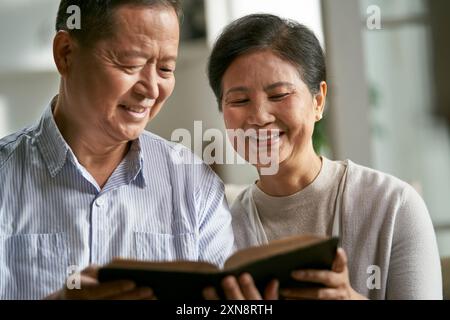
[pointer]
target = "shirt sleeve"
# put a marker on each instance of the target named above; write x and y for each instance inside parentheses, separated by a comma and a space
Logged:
(215, 232)
(414, 268)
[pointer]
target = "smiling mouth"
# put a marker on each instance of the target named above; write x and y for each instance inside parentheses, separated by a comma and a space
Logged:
(135, 113)
(266, 138)
(134, 109)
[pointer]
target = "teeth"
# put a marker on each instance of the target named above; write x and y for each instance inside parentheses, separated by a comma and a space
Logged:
(135, 109)
(264, 137)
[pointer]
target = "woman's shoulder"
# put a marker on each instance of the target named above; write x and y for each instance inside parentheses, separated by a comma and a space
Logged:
(368, 178)
(239, 206)
(381, 188)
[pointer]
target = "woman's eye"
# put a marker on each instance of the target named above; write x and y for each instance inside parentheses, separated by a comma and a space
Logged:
(279, 96)
(240, 101)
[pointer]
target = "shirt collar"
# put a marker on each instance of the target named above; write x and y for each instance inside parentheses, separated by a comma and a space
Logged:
(134, 162)
(51, 143)
(56, 151)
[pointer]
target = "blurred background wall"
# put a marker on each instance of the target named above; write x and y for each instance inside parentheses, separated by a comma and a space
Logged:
(388, 103)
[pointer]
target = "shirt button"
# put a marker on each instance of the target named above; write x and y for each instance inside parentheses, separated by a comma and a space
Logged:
(99, 202)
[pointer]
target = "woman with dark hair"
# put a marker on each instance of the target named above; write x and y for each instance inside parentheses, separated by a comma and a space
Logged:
(269, 77)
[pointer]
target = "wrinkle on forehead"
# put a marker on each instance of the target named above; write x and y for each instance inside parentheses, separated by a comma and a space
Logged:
(158, 21)
(146, 29)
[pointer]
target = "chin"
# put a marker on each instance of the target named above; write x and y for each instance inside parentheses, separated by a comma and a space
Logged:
(131, 135)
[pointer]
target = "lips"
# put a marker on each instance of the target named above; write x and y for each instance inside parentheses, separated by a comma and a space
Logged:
(136, 109)
(135, 112)
(264, 136)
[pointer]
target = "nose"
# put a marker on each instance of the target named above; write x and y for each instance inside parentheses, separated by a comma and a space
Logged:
(148, 86)
(260, 114)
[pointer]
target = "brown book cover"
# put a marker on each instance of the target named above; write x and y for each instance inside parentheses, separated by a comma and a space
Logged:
(186, 279)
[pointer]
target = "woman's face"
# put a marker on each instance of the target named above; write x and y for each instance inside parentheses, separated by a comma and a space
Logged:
(263, 91)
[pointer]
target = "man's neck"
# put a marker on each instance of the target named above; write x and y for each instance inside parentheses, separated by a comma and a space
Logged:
(100, 157)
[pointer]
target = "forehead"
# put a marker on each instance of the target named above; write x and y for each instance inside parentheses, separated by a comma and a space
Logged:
(260, 67)
(146, 19)
(145, 26)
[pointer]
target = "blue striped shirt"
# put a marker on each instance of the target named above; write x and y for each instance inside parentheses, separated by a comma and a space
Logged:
(157, 205)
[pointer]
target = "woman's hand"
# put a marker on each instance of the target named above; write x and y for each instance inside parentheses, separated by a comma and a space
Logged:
(337, 283)
(242, 289)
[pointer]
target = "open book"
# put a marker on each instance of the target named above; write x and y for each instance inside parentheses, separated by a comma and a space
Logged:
(186, 279)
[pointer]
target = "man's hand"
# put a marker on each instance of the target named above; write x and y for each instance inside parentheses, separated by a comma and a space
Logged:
(337, 283)
(242, 289)
(91, 289)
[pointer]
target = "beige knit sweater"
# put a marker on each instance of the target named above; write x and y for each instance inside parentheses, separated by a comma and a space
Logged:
(383, 224)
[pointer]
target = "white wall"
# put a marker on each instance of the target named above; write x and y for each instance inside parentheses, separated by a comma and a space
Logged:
(28, 77)
(222, 12)
(26, 33)
(25, 96)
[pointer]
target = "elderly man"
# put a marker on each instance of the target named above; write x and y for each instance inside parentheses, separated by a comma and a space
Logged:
(87, 183)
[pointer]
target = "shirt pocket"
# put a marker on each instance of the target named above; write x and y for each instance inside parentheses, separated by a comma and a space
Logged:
(165, 247)
(35, 265)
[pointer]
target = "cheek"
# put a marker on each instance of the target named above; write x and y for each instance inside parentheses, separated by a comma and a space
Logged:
(166, 89)
(297, 116)
(233, 118)
(113, 86)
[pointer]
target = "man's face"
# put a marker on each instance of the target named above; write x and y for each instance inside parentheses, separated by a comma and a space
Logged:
(118, 86)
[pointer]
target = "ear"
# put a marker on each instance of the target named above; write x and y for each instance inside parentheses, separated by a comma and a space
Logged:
(63, 48)
(319, 101)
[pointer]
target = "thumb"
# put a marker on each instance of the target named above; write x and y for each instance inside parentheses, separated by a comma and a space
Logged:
(91, 271)
(340, 261)
(271, 291)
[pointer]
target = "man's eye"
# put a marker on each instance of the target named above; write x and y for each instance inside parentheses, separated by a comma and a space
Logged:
(167, 70)
(132, 68)
(279, 96)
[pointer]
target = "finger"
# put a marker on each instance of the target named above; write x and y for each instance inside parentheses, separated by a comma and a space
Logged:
(299, 294)
(58, 295)
(312, 293)
(325, 277)
(88, 278)
(271, 291)
(231, 288)
(91, 271)
(101, 291)
(136, 294)
(210, 293)
(340, 262)
(248, 287)
(87, 281)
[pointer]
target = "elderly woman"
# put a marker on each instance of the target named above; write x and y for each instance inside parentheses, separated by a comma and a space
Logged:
(268, 75)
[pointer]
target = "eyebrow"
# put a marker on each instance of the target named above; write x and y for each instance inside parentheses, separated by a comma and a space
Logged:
(131, 54)
(278, 84)
(139, 54)
(237, 89)
(267, 88)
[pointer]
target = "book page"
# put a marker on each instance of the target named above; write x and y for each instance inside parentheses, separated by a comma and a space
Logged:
(273, 248)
